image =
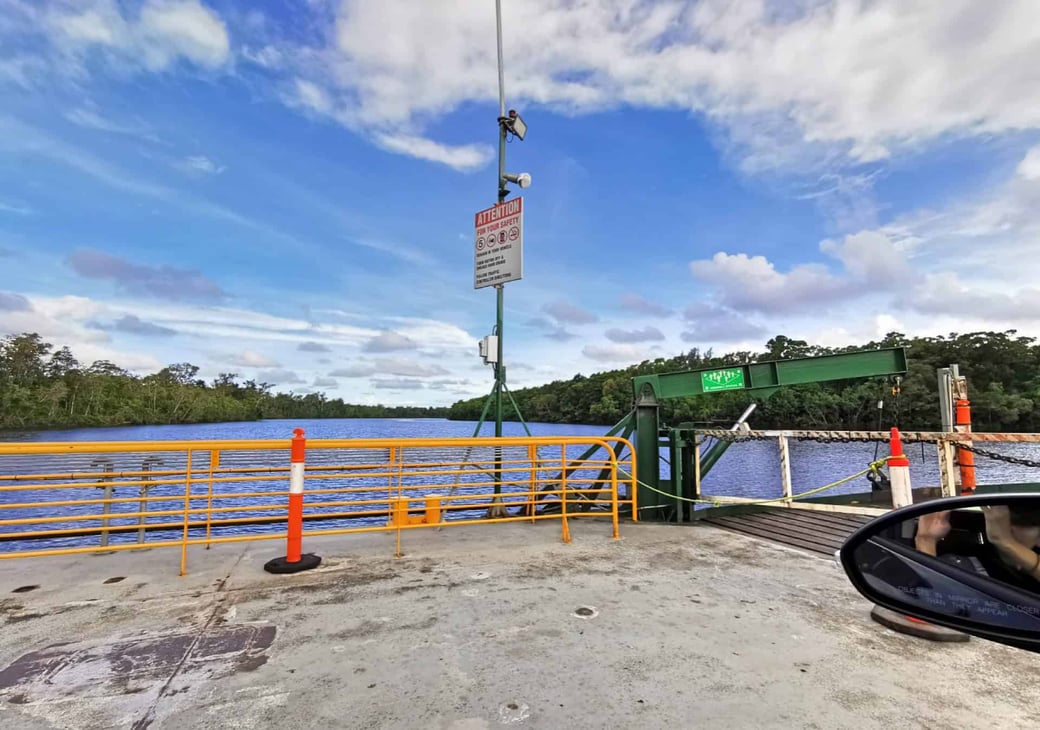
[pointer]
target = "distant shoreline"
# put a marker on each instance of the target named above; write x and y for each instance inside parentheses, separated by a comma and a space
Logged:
(56, 429)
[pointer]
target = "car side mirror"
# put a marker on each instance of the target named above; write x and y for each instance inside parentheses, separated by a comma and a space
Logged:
(966, 563)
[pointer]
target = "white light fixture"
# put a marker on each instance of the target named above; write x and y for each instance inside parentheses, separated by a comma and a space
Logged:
(523, 179)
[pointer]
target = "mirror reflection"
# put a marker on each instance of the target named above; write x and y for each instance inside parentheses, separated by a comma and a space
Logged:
(980, 563)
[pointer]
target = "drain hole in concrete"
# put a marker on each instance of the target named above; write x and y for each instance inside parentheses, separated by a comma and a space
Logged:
(115, 580)
(586, 612)
(24, 589)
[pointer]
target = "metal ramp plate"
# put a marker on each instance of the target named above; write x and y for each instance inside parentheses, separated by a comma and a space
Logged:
(812, 530)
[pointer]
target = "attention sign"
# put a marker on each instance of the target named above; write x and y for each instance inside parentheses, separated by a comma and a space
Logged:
(498, 245)
(728, 379)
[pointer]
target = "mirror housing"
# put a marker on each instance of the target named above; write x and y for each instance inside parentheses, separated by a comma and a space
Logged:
(966, 563)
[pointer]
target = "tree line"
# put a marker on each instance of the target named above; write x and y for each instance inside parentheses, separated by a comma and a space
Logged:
(1002, 368)
(44, 387)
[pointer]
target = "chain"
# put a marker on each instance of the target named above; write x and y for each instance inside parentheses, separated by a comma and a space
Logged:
(999, 457)
(739, 437)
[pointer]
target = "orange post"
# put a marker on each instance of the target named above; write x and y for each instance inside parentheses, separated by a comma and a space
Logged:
(294, 560)
(899, 472)
(965, 458)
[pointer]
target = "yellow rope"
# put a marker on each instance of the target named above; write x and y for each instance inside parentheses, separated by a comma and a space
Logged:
(873, 468)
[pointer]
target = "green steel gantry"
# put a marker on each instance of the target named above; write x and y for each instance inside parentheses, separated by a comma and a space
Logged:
(762, 377)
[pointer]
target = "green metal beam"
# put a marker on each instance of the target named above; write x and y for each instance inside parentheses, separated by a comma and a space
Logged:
(774, 374)
(762, 377)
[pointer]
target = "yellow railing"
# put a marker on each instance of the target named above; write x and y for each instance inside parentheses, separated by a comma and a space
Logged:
(71, 498)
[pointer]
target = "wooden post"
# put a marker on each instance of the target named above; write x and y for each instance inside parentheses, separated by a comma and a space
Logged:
(785, 469)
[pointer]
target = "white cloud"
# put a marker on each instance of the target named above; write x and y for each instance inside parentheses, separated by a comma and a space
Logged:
(869, 256)
(268, 57)
(870, 262)
(853, 78)
(398, 384)
(412, 368)
(712, 324)
(90, 119)
(200, 164)
(629, 354)
(64, 321)
(645, 334)
(163, 33)
(566, 313)
(15, 208)
(325, 383)
(465, 158)
(641, 305)
(356, 370)
(163, 281)
(23, 139)
(1029, 167)
(279, 376)
(310, 96)
(389, 341)
(10, 302)
(946, 293)
(753, 283)
(252, 359)
(390, 366)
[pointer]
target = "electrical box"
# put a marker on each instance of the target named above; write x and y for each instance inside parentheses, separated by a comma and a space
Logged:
(489, 349)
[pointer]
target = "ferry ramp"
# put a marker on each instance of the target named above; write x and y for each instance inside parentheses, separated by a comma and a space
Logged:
(482, 627)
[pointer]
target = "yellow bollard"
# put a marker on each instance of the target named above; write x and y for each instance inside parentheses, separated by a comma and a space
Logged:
(433, 511)
(400, 512)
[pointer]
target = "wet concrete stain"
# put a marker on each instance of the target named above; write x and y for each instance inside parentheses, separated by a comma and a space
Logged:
(135, 665)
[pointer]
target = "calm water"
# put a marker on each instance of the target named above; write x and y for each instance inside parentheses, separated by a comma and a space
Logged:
(748, 469)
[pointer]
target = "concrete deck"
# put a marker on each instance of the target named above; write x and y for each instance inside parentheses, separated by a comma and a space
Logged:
(476, 628)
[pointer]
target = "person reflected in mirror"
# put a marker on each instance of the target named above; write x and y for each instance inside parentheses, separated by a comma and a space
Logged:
(1015, 533)
(931, 529)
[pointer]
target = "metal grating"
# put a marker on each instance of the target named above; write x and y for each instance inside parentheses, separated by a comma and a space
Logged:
(814, 531)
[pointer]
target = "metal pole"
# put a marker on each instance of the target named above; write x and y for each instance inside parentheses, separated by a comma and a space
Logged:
(501, 73)
(497, 509)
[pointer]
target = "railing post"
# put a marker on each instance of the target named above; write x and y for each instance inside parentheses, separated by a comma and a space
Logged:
(106, 506)
(566, 530)
(899, 472)
(947, 467)
(785, 469)
(614, 493)
(532, 455)
(696, 468)
(635, 482)
(142, 492)
(214, 464)
(294, 561)
(187, 513)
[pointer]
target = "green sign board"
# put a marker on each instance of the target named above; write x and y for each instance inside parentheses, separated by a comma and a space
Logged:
(728, 379)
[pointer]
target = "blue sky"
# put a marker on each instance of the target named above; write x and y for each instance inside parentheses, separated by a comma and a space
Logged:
(286, 190)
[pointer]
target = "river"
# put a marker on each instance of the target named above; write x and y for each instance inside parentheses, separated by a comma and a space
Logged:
(748, 469)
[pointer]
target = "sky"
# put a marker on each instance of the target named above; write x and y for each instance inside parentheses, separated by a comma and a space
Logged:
(286, 190)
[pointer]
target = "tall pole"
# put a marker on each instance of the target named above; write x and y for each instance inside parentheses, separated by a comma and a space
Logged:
(497, 509)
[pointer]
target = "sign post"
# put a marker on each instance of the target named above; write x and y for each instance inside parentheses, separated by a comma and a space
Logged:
(498, 244)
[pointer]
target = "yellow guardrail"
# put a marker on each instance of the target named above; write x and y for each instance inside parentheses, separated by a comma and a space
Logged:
(79, 497)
